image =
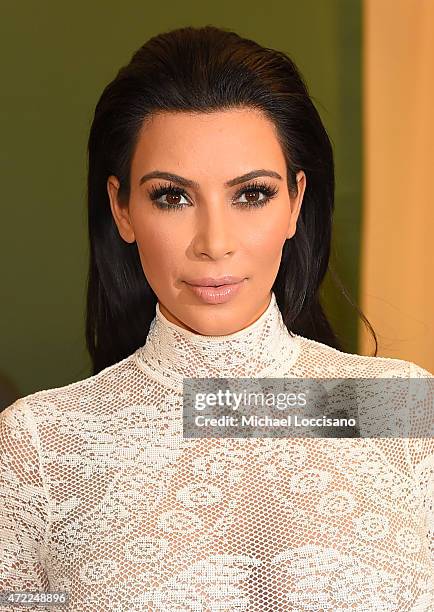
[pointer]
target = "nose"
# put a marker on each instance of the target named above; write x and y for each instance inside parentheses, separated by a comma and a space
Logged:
(215, 235)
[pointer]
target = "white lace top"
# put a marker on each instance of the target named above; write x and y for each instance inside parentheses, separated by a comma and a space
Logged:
(102, 497)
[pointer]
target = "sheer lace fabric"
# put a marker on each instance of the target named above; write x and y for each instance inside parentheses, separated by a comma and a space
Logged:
(102, 497)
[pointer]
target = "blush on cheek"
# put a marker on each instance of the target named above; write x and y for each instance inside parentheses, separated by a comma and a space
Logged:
(159, 264)
(270, 246)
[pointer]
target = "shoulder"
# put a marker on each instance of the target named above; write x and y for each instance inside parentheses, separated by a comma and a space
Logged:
(326, 361)
(394, 391)
(77, 397)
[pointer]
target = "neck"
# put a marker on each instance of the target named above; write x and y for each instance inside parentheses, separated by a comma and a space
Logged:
(172, 353)
(161, 311)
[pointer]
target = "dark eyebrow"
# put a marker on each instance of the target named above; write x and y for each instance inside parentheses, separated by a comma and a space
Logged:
(175, 178)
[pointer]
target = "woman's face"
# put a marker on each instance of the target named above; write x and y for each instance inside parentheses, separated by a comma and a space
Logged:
(210, 226)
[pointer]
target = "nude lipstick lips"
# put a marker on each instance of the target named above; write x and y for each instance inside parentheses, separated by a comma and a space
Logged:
(216, 291)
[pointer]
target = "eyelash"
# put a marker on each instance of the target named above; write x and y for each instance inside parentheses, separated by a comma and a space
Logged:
(161, 189)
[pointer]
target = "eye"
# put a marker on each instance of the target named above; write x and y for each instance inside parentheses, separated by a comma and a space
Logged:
(175, 194)
(254, 189)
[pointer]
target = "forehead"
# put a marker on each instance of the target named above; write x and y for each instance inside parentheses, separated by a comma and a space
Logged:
(220, 144)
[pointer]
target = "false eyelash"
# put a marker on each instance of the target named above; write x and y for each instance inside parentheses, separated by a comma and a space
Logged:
(164, 189)
(266, 189)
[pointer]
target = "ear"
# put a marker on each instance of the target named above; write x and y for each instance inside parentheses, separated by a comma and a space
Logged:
(296, 203)
(120, 211)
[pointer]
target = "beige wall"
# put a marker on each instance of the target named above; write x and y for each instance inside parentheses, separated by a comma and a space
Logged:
(397, 290)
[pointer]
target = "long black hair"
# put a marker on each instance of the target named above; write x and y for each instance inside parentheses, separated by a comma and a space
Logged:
(204, 69)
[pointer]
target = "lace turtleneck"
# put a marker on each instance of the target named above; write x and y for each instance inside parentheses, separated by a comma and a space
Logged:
(262, 349)
(102, 497)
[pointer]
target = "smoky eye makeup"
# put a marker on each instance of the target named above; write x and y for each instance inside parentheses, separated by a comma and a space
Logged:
(158, 192)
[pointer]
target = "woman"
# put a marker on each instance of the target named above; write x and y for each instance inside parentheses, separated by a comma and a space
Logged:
(208, 160)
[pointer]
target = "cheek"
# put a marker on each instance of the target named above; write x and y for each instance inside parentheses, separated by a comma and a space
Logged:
(264, 241)
(160, 246)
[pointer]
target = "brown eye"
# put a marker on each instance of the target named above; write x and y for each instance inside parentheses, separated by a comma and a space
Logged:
(256, 194)
(252, 196)
(173, 199)
(168, 197)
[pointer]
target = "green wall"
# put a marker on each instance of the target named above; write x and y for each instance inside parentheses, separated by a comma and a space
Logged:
(56, 59)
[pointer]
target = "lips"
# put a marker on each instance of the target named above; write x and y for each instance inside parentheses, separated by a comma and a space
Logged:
(215, 282)
(217, 294)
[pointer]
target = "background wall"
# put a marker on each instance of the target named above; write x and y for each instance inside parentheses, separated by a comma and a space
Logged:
(397, 292)
(56, 59)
